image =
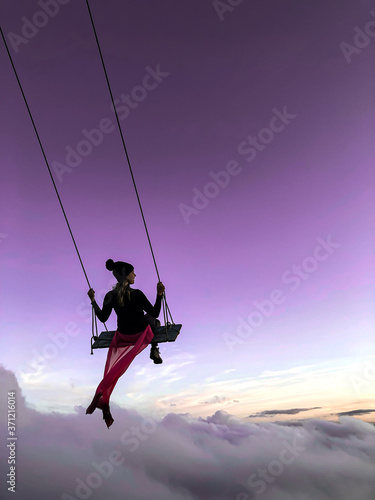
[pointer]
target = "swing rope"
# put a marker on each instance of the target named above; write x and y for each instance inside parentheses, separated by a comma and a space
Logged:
(165, 307)
(46, 161)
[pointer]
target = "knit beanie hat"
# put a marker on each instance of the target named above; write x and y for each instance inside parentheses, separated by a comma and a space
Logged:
(120, 270)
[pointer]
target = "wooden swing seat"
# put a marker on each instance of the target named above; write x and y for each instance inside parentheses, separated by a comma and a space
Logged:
(167, 333)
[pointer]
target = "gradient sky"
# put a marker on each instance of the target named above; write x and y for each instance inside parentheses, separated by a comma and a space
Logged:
(310, 183)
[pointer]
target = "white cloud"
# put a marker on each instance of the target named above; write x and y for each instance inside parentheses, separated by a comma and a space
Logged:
(180, 457)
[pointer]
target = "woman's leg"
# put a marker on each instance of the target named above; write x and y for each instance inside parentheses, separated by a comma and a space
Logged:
(107, 417)
(154, 351)
(122, 351)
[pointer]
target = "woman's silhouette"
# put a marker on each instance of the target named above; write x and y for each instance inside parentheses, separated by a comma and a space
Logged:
(133, 330)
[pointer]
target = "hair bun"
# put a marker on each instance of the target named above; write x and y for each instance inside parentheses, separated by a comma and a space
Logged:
(110, 265)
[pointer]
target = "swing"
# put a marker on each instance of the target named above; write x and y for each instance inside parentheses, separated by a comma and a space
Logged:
(170, 330)
(166, 333)
(162, 333)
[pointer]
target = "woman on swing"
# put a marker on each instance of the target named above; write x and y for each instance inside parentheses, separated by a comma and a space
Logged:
(133, 330)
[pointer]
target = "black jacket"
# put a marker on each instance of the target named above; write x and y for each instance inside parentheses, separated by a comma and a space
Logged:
(130, 316)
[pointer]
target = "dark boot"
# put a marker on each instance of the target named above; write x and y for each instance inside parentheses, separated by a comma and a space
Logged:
(155, 355)
(107, 417)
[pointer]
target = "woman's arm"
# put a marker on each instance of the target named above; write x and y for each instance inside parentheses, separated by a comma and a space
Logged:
(104, 313)
(153, 310)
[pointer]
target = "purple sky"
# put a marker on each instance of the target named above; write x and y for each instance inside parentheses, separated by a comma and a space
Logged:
(292, 222)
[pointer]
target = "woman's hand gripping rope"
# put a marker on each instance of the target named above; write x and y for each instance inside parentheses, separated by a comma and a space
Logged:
(160, 288)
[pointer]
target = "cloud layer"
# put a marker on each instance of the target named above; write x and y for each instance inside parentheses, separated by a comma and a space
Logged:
(184, 458)
(291, 411)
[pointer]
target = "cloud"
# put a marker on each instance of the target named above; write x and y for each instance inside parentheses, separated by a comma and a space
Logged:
(352, 413)
(213, 400)
(180, 457)
(292, 411)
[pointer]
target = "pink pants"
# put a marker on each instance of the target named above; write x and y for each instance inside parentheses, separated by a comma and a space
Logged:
(121, 352)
